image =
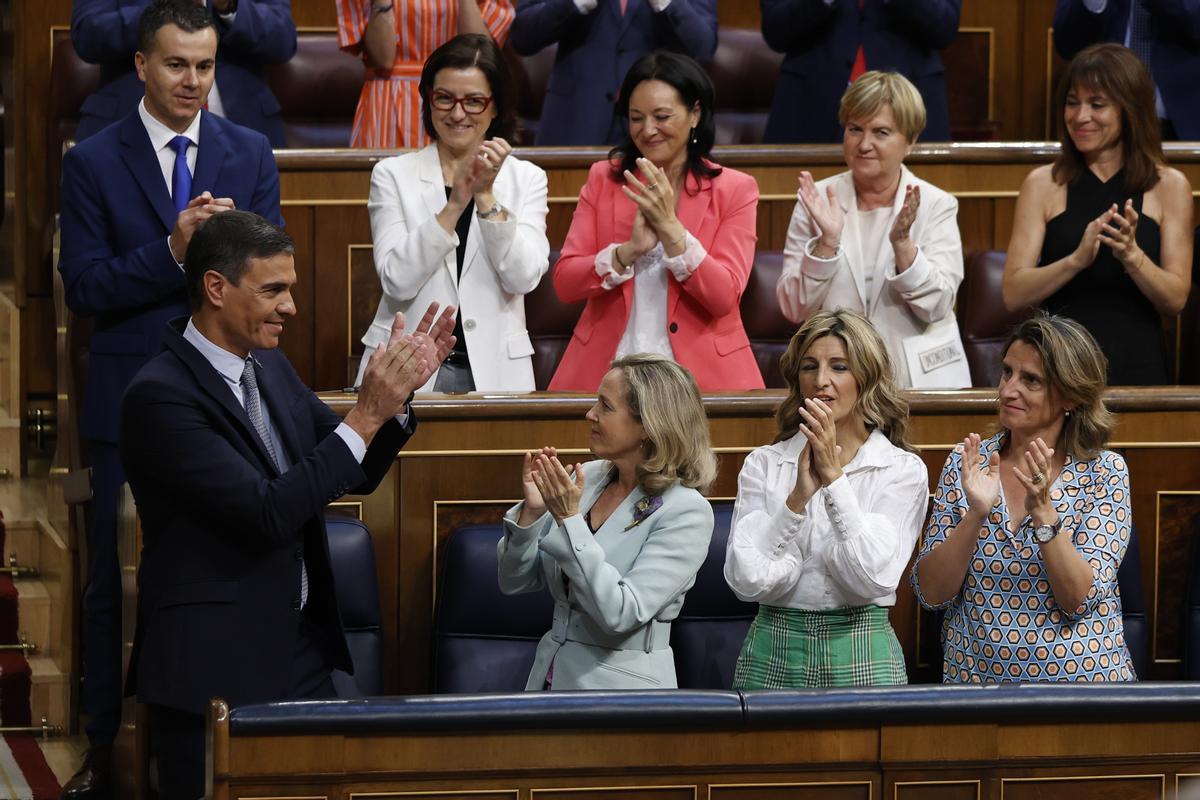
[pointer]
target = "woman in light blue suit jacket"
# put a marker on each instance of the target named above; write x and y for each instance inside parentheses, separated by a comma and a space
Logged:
(618, 542)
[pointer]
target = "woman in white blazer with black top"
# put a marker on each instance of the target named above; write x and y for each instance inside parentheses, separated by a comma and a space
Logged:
(462, 222)
(880, 241)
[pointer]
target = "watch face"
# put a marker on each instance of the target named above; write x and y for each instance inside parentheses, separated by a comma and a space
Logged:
(1044, 533)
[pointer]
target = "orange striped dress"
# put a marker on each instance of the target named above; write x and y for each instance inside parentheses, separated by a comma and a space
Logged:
(389, 108)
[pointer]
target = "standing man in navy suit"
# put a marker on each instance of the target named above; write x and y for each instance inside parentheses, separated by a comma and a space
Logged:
(829, 43)
(132, 197)
(598, 41)
(1166, 36)
(250, 33)
(232, 461)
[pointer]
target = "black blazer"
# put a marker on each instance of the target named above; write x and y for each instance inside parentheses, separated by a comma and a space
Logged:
(224, 532)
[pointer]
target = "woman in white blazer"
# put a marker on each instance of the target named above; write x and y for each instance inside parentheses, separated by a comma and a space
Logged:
(462, 222)
(880, 241)
(619, 542)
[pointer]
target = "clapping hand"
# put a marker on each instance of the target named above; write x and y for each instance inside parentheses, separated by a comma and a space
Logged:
(1089, 244)
(534, 506)
(807, 481)
(481, 170)
(1119, 232)
(819, 428)
(560, 491)
(980, 479)
(1035, 477)
(825, 211)
(643, 238)
(655, 198)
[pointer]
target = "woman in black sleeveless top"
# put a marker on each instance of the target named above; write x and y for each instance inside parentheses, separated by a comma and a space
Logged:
(1104, 234)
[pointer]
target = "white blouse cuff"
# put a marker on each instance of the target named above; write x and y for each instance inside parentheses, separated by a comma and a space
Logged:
(783, 529)
(842, 505)
(683, 265)
(605, 261)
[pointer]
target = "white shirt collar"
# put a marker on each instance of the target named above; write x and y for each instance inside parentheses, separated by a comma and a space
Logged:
(160, 134)
(227, 364)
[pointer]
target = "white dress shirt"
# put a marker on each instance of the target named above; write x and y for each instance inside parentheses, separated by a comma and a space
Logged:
(850, 545)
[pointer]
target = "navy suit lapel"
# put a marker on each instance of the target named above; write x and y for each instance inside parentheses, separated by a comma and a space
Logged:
(270, 387)
(215, 387)
(140, 159)
(209, 157)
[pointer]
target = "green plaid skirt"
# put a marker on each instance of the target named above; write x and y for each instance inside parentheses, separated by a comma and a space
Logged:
(789, 648)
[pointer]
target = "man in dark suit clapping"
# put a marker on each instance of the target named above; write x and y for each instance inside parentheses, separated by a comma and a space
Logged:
(232, 460)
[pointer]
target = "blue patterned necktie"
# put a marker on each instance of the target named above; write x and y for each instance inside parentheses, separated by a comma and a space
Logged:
(181, 177)
(254, 412)
(1140, 40)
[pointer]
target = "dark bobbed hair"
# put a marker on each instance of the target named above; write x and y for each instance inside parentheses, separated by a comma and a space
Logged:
(1076, 369)
(473, 50)
(1121, 75)
(187, 15)
(225, 243)
(693, 85)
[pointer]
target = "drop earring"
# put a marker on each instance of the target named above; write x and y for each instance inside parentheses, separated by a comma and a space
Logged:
(692, 135)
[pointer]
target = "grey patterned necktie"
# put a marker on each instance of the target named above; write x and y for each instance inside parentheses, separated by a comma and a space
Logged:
(254, 412)
(254, 408)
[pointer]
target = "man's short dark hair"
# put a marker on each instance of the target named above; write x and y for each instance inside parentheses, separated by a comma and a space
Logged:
(187, 15)
(225, 243)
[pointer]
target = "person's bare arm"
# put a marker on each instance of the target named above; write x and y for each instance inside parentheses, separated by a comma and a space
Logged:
(379, 41)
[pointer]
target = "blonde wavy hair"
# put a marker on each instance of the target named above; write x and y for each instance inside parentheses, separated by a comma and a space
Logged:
(664, 398)
(1077, 370)
(882, 406)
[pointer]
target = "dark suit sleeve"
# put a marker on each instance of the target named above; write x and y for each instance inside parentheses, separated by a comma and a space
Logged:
(1075, 27)
(265, 201)
(694, 24)
(262, 31)
(168, 441)
(383, 448)
(1180, 17)
(98, 280)
(105, 30)
(926, 23)
(788, 24)
(541, 23)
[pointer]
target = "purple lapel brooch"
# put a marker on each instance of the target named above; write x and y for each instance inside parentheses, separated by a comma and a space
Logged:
(644, 508)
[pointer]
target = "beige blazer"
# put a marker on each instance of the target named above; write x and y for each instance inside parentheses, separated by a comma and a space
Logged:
(915, 302)
(416, 261)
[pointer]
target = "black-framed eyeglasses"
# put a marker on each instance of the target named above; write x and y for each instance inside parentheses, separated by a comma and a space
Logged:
(474, 104)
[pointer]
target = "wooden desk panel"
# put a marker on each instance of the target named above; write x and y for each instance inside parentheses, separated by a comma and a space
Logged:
(463, 466)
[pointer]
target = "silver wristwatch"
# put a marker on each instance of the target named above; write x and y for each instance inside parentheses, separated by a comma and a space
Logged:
(1044, 533)
(491, 212)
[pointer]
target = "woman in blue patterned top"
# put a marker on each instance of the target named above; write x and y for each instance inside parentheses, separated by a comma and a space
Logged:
(1029, 526)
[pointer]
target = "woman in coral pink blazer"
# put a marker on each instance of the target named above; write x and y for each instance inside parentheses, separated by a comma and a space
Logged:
(662, 241)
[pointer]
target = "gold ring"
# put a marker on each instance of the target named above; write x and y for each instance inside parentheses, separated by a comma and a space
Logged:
(651, 185)
(1038, 478)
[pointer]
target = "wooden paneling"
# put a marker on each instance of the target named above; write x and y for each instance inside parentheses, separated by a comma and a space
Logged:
(808, 790)
(1138, 758)
(1134, 787)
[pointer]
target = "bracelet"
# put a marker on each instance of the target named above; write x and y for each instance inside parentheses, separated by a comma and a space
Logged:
(491, 212)
(679, 240)
(377, 10)
(833, 251)
(617, 258)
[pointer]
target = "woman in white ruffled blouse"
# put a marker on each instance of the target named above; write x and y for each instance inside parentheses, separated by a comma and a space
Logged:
(827, 516)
